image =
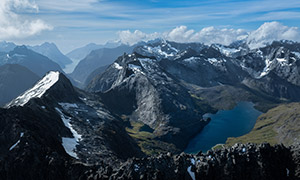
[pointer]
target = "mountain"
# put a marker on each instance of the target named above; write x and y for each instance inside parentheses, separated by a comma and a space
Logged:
(138, 88)
(161, 77)
(95, 73)
(14, 80)
(274, 69)
(270, 71)
(80, 53)
(6, 46)
(65, 133)
(96, 59)
(67, 121)
(51, 51)
(145, 106)
(35, 62)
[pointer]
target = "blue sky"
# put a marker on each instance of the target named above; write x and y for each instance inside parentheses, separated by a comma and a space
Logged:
(73, 23)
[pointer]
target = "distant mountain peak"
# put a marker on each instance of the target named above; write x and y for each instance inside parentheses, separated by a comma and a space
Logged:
(51, 51)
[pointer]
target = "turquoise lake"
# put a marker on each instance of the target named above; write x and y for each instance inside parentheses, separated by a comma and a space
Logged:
(224, 124)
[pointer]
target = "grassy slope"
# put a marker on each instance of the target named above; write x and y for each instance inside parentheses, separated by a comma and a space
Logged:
(279, 125)
(147, 141)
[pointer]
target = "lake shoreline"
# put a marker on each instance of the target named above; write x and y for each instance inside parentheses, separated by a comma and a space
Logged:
(224, 124)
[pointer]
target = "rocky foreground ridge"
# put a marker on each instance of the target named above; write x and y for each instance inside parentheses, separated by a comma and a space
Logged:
(241, 161)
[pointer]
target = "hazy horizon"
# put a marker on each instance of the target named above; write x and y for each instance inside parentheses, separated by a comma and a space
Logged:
(72, 23)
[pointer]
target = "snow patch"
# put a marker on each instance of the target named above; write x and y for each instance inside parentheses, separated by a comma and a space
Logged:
(117, 66)
(227, 51)
(135, 68)
(281, 60)
(191, 173)
(13, 146)
(244, 150)
(189, 169)
(37, 91)
(212, 60)
(157, 50)
(19, 55)
(297, 54)
(191, 59)
(266, 69)
(193, 161)
(69, 144)
(217, 63)
(67, 106)
(136, 167)
(174, 49)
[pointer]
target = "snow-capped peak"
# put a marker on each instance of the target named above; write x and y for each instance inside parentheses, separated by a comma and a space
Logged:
(37, 91)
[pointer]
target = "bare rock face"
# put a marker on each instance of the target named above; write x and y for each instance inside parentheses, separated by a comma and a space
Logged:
(138, 87)
(296, 158)
(238, 162)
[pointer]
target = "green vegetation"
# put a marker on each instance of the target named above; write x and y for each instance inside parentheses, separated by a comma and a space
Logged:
(279, 125)
(147, 140)
(218, 146)
(202, 104)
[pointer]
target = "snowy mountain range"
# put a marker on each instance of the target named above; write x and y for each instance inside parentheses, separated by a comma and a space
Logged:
(148, 101)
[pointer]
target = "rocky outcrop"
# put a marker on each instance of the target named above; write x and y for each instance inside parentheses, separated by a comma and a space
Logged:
(238, 162)
(296, 158)
(247, 162)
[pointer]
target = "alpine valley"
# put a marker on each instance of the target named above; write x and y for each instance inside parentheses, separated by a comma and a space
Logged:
(130, 111)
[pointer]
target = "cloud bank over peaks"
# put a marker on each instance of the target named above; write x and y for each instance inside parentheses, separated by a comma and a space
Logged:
(271, 31)
(182, 34)
(131, 38)
(265, 34)
(13, 25)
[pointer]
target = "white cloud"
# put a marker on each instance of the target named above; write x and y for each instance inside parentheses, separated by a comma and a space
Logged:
(182, 34)
(224, 36)
(265, 34)
(130, 38)
(14, 25)
(271, 31)
(179, 34)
